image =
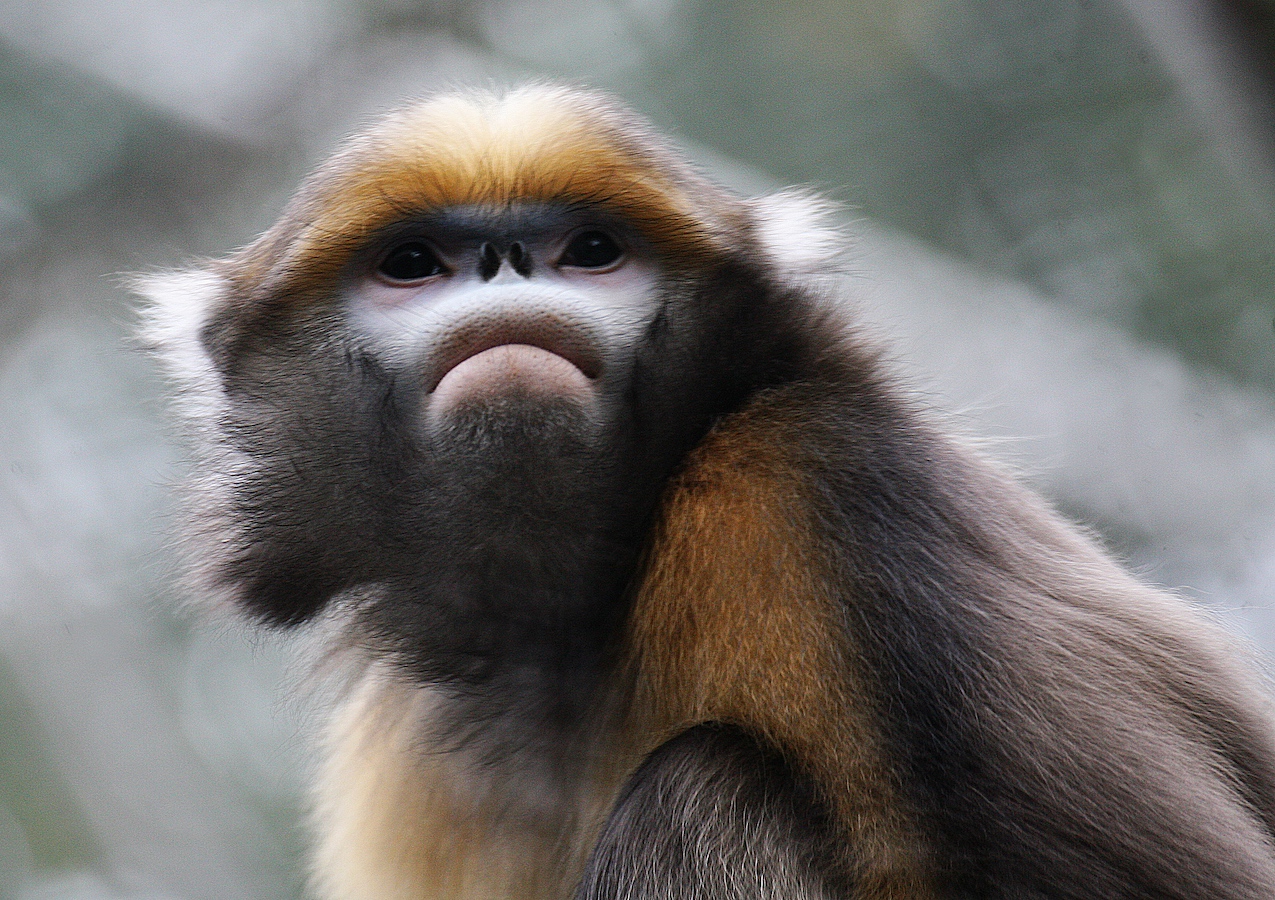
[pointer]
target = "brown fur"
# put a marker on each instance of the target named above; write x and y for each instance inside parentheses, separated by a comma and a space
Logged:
(736, 622)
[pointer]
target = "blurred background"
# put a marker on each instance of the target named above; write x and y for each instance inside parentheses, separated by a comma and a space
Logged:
(1062, 219)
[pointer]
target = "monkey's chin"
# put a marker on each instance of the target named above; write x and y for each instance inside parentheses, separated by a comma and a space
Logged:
(511, 373)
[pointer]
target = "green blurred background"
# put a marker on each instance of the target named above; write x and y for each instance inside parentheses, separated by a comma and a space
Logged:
(1062, 220)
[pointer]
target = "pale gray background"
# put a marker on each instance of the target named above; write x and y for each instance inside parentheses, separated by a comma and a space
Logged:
(1063, 220)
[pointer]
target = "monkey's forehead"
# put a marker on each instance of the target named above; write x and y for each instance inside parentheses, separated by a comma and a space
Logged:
(535, 143)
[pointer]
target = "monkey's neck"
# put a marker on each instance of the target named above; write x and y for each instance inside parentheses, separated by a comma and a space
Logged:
(517, 626)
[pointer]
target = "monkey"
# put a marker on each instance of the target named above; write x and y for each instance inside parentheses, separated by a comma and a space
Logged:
(647, 576)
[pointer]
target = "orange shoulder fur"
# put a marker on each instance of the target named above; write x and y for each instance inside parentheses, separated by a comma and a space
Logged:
(736, 621)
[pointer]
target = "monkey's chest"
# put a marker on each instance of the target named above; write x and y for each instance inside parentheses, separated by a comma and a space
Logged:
(399, 818)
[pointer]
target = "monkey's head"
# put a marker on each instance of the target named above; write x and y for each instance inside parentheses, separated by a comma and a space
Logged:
(445, 391)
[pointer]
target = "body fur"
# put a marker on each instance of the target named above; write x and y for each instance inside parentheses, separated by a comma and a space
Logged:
(742, 622)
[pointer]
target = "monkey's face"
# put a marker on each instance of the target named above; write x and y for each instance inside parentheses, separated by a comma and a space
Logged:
(465, 437)
(504, 348)
(500, 326)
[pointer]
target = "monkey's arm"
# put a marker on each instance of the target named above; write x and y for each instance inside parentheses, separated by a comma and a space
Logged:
(711, 815)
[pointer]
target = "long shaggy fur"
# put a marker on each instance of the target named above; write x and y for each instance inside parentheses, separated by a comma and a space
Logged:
(771, 633)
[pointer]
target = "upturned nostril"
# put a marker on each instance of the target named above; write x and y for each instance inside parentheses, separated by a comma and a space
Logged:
(520, 259)
(488, 262)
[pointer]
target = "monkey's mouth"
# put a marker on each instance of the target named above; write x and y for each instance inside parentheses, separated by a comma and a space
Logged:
(542, 356)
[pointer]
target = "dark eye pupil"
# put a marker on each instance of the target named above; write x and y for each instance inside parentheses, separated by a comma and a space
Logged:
(591, 250)
(411, 262)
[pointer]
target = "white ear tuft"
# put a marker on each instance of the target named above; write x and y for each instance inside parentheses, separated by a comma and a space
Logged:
(799, 232)
(179, 305)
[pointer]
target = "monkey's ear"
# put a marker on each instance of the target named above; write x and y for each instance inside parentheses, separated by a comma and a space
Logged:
(800, 234)
(179, 306)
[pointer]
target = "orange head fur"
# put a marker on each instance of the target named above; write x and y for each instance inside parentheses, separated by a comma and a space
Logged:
(535, 143)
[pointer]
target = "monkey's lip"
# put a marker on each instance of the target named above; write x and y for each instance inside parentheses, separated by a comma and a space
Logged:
(533, 343)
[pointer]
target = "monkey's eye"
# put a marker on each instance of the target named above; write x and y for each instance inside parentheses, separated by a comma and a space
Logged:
(591, 250)
(411, 261)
